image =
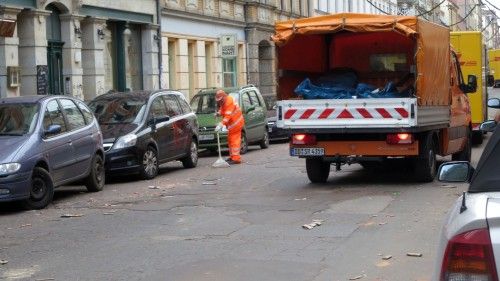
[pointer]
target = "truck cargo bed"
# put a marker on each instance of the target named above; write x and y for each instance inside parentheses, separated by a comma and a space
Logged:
(359, 113)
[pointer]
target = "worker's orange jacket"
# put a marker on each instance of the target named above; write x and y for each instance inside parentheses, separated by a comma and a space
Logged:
(231, 114)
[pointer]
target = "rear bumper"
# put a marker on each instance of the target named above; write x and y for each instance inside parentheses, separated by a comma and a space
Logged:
(17, 185)
(363, 148)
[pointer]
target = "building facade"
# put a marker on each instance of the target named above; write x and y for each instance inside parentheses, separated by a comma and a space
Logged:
(322, 7)
(81, 48)
(217, 43)
(491, 34)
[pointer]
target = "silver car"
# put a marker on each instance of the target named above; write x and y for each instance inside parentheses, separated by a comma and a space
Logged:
(469, 248)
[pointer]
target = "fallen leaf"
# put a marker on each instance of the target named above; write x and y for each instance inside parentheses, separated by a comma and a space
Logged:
(382, 223)
(387, 257)
(383, 264)
(25, 225)
(153, 187)
(209, 183)
(357, 277)
(300, 199)
(449, 186)
(2, 262)
(418, 255)
(45, 279)
(108, 214)
(71, 215)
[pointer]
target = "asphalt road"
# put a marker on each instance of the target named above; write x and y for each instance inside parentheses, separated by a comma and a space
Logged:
(239, 223)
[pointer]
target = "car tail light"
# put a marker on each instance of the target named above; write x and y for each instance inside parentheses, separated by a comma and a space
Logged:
(304, 139)
(401, 138)
(469, 257)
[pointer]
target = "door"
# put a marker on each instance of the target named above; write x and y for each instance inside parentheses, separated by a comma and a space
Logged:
(251, 121)
(259, 113)
(82, 139)
(179, 126)
(55, 63)
(163, 131)
(58, 149)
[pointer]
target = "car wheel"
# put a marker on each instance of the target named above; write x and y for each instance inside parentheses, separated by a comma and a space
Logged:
(244, 143)
(426, 163)
(264, 143)
(97, 177)
(317, 170)
(191, 159)
(41, 190)
(149, 166)
(465, 154)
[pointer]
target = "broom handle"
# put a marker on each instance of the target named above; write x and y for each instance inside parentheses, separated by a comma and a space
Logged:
(218, 144)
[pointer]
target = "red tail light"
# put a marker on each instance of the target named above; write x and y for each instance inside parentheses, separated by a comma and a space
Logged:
(469, 256)
(401, 138)
(304, 139)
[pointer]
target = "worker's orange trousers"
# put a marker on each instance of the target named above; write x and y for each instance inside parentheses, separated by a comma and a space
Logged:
(234, 143)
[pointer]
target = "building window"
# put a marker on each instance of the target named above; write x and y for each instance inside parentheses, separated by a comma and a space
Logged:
(229, 72)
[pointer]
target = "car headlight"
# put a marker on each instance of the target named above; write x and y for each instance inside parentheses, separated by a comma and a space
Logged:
(125, 141)
(9, 168)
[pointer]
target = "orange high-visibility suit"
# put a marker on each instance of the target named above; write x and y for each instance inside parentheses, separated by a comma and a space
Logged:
(232, 118)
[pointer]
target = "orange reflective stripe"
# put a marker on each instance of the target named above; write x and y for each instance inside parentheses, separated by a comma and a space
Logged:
(239, 120)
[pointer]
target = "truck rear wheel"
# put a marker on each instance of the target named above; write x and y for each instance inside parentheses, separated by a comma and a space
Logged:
(425, 164)
(465, 154)
(317, 170)
(477, 137)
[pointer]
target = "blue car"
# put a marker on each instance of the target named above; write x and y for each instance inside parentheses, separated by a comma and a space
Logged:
(47, 141)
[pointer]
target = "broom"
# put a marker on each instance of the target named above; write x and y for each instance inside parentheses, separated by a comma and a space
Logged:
(220, 163)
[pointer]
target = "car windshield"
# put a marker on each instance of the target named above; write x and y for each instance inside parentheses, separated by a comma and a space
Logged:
(18, 119)
(120, 110)
(486, 178)
(203, 104)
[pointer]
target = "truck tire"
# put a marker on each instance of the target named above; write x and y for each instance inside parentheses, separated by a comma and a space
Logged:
(426, 164)
(477, 137)
(465, 154)
(317, 170)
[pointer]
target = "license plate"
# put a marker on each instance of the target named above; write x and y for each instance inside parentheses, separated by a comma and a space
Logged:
(307, 151)
(206, 137)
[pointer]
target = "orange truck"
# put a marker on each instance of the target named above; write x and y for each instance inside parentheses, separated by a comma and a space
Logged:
(373, 90)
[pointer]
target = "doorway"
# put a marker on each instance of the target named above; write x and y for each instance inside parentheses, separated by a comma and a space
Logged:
(54, 52)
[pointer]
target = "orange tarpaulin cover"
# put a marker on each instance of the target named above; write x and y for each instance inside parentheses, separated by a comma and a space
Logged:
(432, 45)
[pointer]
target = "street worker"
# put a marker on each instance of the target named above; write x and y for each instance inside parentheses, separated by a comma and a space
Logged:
(232, 119)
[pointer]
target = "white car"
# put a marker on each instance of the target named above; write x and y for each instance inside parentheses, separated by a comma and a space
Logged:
(469, 248)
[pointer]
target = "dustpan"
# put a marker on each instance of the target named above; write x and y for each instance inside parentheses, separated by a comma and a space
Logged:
(220, 163)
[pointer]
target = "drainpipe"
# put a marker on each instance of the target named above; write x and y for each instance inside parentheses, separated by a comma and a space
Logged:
(160, 43)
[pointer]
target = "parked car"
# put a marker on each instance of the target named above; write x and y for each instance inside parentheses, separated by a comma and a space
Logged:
(275, 133)
(47, 141)
(469, 248)
(254, 112)
(144, 129)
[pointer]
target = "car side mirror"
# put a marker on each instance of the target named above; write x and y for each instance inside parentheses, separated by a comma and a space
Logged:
(53, 129)
(251, 108)
(491, 80)
(494, 103)
(457, 171)
(471, 84)
(488, 126)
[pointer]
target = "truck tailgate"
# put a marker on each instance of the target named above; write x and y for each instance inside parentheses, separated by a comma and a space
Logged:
(347, 113)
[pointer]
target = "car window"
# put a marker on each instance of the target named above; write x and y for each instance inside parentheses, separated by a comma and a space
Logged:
(74, 116)
(253, 97)
(173, 108)
(184, 106)
(195, 103)
(118, 110)
(158, 108)
(18, 119)
(245, 101)
(86, 112)
(53, 116)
